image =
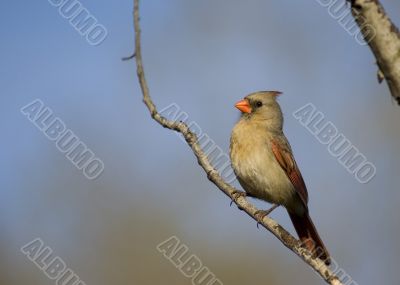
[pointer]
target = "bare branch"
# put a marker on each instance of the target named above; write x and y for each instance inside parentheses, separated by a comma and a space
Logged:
(383, 38)
(271, 225)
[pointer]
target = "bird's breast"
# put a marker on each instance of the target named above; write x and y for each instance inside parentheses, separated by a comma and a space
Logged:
(256, 167)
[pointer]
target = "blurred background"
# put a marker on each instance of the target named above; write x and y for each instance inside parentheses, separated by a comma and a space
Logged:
(204, 56)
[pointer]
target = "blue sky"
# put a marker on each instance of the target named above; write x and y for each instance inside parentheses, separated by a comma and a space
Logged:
(203, 56)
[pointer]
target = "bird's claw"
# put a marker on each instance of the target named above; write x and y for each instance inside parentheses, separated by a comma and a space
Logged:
(235, 195)
(260, 214)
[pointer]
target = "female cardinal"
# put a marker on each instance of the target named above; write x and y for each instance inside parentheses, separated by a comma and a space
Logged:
(265, 167)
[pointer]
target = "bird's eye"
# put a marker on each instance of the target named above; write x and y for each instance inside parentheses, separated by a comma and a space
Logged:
(258, 103)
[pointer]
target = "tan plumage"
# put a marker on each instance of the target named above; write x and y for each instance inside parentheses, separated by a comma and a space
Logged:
(265, 167)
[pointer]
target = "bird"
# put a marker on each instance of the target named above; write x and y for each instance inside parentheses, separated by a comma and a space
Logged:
(263, 162)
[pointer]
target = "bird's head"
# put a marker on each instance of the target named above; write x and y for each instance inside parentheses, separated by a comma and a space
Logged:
(262, 107)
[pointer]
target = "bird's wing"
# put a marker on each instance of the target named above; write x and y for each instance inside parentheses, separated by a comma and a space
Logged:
(284, 156)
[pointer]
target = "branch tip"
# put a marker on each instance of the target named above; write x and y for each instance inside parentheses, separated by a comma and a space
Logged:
(129, 57)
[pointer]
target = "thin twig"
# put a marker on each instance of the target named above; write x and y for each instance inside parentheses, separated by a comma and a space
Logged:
(271, 225)
(129, 57)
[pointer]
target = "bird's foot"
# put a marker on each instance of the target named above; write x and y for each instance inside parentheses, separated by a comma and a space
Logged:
(260, 214)
(235, 195)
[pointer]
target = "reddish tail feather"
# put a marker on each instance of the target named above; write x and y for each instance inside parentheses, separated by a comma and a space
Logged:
(308, 235)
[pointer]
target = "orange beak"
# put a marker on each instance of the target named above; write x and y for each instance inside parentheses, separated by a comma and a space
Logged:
(243, 106)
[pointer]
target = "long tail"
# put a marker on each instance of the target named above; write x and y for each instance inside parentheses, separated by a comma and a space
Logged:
(309, 237)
